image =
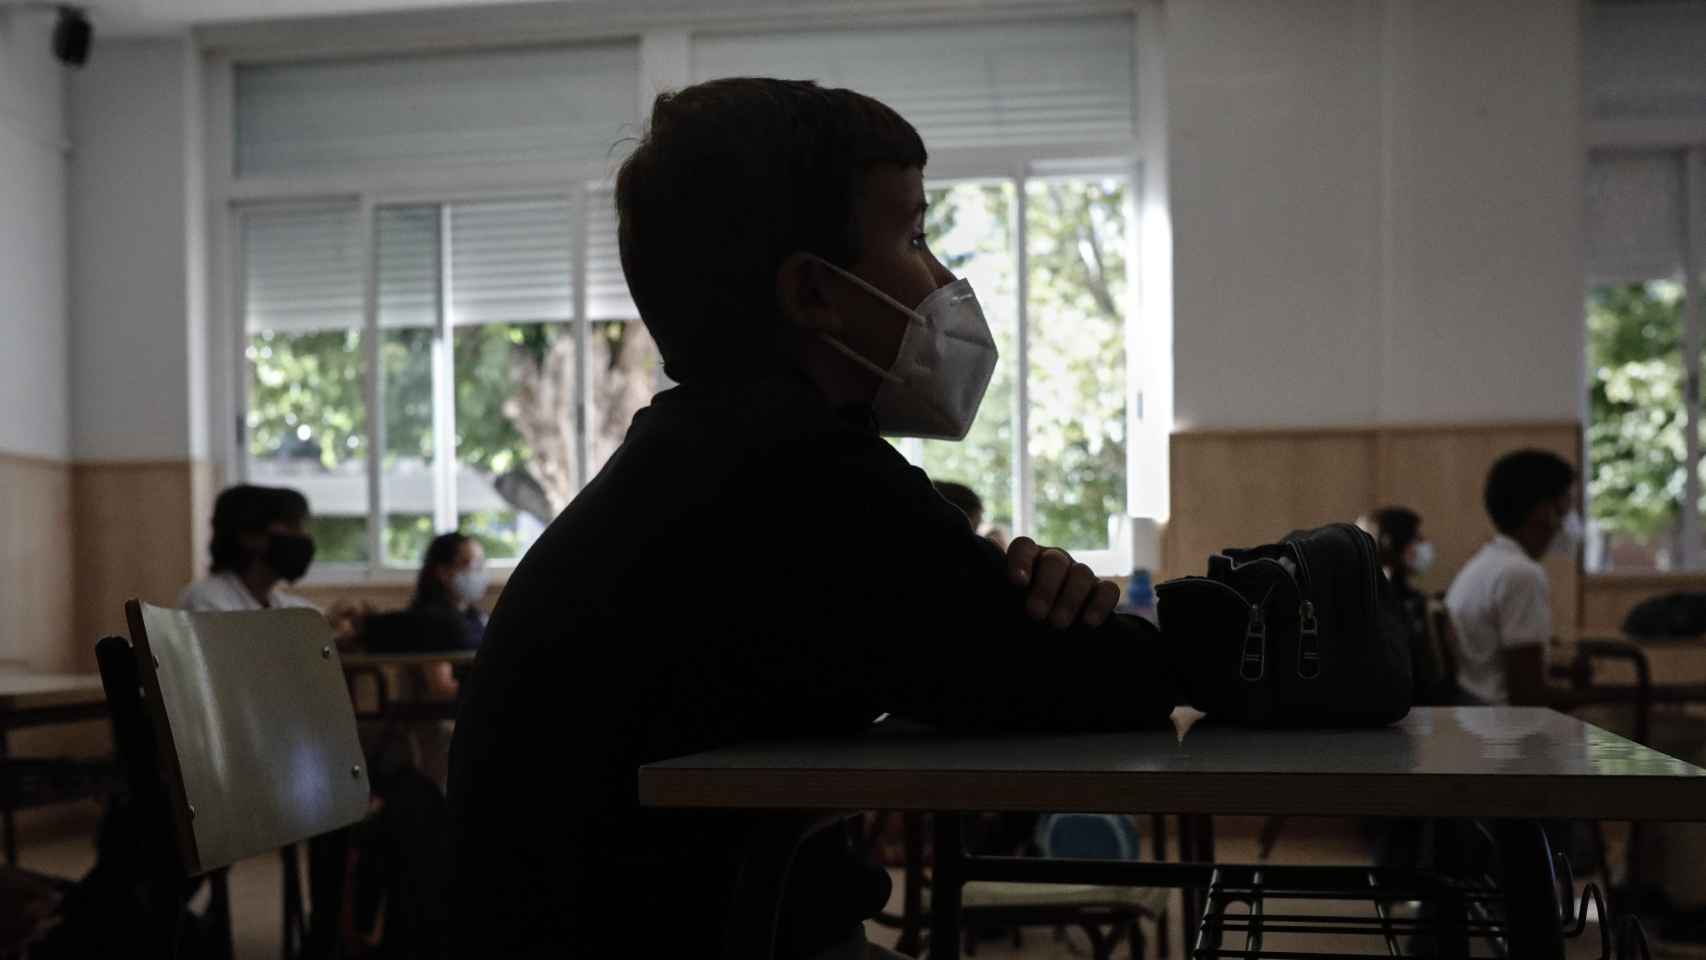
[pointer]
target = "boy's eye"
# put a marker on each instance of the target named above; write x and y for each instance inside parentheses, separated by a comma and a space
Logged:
(920, 242)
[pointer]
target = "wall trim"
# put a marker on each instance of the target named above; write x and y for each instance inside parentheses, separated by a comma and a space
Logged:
(34, 460)
(1492, 426)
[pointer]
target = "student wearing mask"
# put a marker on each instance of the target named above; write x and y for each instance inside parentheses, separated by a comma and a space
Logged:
(259, 541)
(772, 237)
(445, 612)
(1501, 601)
(1406, 556)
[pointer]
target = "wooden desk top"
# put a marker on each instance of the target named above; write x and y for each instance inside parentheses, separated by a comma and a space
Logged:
(1442, 761)
(28, 691)
(353, 661)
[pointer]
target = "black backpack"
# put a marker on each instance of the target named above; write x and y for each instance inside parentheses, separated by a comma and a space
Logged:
(1304, 631)
(1669, 616)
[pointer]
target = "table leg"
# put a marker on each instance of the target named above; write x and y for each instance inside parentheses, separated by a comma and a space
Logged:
(1533, 915)
(1190, 909)
(912, 912)
(945, 887)
(6, 804)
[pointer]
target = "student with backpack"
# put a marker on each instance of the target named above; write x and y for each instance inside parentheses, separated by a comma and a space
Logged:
(772, 236)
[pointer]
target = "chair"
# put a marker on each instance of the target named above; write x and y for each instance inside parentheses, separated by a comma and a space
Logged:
(235, 733)
(1107, 915)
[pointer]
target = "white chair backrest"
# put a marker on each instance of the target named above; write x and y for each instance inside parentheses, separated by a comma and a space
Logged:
(252, 719)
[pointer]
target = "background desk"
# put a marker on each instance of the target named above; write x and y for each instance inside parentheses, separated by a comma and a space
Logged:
(382, 668)
(1480, 762)
(39, 699)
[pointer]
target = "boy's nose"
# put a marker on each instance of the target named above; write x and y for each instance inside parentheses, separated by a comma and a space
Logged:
(942, 275)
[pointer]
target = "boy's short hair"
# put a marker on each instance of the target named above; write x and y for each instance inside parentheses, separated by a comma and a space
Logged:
(730, 178)
(1396, 527)
(1523, 480)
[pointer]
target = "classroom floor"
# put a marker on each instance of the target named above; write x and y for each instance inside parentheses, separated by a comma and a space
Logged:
(255, 891)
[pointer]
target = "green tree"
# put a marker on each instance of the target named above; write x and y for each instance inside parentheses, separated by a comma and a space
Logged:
(1636, 441)
(1077, 345)
(1076, 379)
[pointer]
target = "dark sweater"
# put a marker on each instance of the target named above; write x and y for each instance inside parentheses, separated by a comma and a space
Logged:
(750, 564)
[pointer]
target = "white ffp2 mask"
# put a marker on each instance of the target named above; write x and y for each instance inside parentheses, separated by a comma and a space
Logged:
(468, 587)
(1421, 558)
(942, 368)
(1569, 535)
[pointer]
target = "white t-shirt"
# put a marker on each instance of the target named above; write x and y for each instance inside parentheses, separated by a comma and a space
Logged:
(225, 592)
(1501, 600)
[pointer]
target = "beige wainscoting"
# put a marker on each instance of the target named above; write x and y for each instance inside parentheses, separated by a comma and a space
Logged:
(1244, 487)
(141, 531)
(1608, 597)
(37, 612)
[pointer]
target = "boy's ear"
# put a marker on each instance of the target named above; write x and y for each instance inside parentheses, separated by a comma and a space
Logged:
(802, 297)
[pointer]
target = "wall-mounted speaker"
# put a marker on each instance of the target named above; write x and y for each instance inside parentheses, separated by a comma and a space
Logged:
(73, 35)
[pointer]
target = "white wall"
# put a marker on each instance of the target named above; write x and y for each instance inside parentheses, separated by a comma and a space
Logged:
(138, 331)
(1376, 211)
(34, 396)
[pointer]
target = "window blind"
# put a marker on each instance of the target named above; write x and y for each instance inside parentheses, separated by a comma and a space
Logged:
(1645, 61)
(301, 268)
(565, 105)
(978, 85)
(408, 265)
(1634, 215)
(606, 286)
(512, 261)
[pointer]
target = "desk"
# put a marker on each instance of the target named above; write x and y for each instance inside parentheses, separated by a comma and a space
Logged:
(377, 666)
(1512, 763)
(40, 699)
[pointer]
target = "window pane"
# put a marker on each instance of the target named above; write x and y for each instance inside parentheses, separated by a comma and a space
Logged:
(623, 366)
(1636, 424)
(307, 427)
(970, 229)
(515, 439)
(1077, 431)
(306, 414)
(407, 469)
(406, 538)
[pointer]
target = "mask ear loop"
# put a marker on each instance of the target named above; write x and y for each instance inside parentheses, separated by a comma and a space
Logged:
(859, 359)
(849, 352)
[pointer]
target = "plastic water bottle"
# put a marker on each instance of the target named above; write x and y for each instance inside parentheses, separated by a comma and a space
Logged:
(1139, 597)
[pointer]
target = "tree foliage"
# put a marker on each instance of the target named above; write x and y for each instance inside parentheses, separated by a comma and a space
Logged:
(1637, 418)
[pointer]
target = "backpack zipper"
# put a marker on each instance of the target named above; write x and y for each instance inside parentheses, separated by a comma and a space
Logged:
(1254, 664)
(1309, 643)
(1309, 627)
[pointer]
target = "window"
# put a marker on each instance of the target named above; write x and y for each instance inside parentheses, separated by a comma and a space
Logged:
(1645, 230)
(435, 328)
(1048, 451)
(496, 400)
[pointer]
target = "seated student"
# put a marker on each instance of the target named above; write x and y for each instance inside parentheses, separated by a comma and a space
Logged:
(1501, 602)
(772, 236)
(444, 613)
(258, 543)
(971, 505)
(965, 498)
(1405, 554)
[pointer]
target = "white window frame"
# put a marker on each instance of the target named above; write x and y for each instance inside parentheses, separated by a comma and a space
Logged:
(1688, 148)
(665, 61)
(1110, 560)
